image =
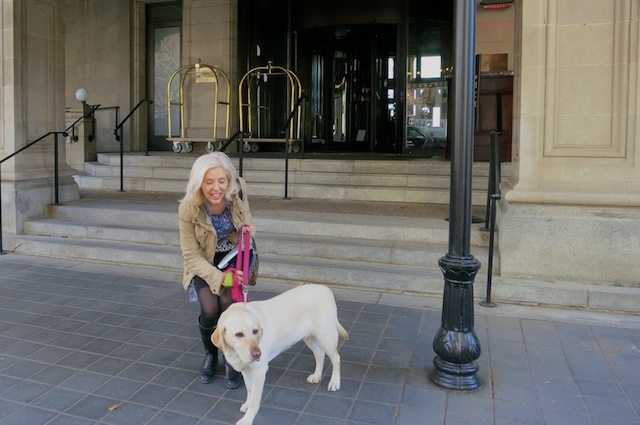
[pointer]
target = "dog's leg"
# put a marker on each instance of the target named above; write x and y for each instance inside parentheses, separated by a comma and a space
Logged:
(329, 343)
(254, 394)
(318, 355)
(248, 382)
(334, 382)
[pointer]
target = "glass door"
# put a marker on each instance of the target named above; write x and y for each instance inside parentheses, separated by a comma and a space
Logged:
(163, 59)
(427, 116)
(349, 71)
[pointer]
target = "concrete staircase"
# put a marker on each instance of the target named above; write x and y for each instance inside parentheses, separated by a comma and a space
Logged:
(350, 223)
(413, 180)
(361, 244)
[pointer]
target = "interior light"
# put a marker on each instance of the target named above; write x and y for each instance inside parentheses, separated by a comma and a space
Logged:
(496, 4)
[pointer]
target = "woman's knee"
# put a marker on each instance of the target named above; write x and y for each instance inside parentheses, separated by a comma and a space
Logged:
(225, 300)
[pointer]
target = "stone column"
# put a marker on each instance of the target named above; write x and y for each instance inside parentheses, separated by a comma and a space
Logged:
(570, 209)
(209, 31)
(32, 52)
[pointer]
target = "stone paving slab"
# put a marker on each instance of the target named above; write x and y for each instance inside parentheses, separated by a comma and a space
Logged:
(83, 343)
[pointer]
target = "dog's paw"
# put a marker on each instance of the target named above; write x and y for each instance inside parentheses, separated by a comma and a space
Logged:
(243, 421)
(333, 385)
(313, 379)
(244, 407)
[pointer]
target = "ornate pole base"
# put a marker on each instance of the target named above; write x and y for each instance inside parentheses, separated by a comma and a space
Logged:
(456, 344)
(455, 376)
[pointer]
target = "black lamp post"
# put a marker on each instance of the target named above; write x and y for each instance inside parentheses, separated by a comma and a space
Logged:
(455, 343)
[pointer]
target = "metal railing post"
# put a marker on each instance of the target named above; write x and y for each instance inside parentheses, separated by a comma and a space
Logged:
(494, 176)
(286, 167)
(493, 197)
(121, 152)
(240, 151)
(118, 132)
(287, 144)
(55, 166)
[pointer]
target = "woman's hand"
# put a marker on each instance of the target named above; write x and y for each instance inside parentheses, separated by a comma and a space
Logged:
(228, 279)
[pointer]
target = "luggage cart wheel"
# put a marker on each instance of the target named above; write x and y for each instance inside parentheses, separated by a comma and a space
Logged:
(254, 147)
(209, 147)
(188, 146)
(246, 147)
(177, 147)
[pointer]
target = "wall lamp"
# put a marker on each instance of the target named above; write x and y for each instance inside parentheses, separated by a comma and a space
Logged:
(82, 95)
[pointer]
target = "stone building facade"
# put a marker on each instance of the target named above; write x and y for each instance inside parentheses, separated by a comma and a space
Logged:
(570, 210)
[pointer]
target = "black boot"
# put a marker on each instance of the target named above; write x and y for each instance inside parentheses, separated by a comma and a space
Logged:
(233, 378)
(208, 368)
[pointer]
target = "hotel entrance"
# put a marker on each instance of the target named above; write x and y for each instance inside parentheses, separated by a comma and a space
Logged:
(374, 79)
(350, 71)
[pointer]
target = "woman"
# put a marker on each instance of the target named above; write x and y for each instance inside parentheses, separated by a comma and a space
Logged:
(214, 208)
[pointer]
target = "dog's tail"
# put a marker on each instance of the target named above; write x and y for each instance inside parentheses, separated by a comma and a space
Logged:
(342, 331)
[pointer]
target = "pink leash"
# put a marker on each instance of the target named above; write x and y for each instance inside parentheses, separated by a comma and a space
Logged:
(239, 289)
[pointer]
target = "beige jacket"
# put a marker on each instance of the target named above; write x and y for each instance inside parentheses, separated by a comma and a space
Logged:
(198, 239)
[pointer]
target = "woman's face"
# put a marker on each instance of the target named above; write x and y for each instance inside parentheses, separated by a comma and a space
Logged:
(214, 188)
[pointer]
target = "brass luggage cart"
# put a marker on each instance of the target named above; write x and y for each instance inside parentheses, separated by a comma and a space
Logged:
(259, 118)
(203, 74)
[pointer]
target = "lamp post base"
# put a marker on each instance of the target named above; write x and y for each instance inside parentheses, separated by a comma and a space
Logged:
(455, 376)
(456, 345)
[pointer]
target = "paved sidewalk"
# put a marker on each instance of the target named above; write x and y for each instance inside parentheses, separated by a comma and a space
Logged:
(83, 343)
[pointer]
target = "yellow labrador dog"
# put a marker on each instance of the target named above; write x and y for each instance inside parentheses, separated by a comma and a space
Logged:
(251, 334)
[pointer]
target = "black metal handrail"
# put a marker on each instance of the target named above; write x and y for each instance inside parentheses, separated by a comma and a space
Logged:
(120, 138)
(287, 144)
(73, 125)
(493, 196)
(64, 133)
(239, 135)
(55, 150)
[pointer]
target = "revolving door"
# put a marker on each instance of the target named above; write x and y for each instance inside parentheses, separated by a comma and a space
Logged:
(351, 79)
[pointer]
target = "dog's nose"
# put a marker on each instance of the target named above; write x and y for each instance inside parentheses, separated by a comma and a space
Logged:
(256, 353)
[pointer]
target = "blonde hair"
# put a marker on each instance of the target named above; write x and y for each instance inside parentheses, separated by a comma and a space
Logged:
(200, 167)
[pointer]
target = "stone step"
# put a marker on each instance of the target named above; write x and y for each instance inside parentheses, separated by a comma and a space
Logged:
(318, 191)
(277, 244)
(407, 180)
(299, 241)
(129, 213)
(126, 254)
(273, 267)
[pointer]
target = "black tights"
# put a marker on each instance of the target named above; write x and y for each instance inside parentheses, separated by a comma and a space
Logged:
(211, 305)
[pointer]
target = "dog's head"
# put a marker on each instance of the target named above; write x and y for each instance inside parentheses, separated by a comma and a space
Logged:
(238, 334)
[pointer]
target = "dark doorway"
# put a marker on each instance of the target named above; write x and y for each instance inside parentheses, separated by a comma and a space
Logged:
(368, 72)
(350, 74)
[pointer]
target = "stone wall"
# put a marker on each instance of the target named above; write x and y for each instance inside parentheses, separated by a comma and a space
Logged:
(571, 204)
(98, 40)
(32, 94)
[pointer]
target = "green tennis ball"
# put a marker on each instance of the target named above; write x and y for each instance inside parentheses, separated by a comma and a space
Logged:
(228, 280)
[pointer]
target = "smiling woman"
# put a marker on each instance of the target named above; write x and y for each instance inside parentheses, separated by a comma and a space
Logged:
(212, 211)
(214, 187)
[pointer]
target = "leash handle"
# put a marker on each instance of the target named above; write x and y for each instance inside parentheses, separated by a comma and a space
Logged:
(244, 248)
(239, 289)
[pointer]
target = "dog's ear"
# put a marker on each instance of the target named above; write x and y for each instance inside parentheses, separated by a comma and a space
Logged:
(260, 331)
(217, 337)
